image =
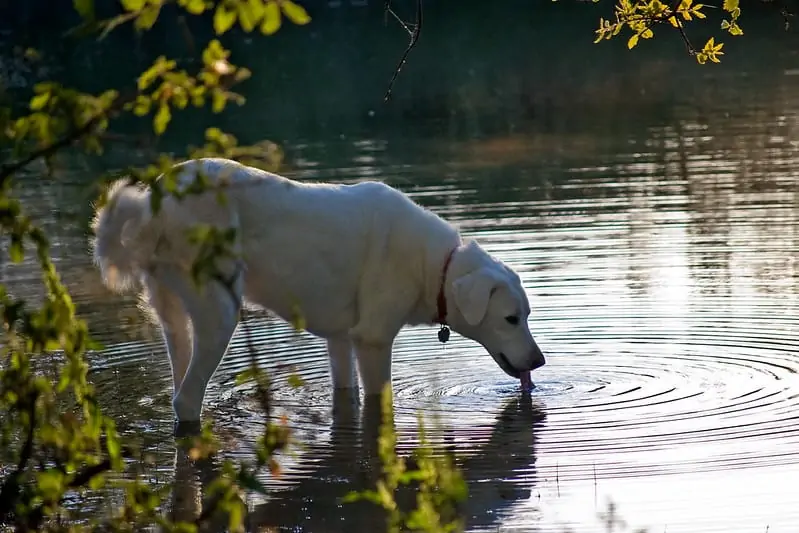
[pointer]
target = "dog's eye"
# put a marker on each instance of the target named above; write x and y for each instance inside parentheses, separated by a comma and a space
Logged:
(513, 320)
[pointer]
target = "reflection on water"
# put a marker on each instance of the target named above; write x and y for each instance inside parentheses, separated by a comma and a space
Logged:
(659, 254)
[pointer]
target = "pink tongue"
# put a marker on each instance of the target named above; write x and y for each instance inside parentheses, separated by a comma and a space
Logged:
(526, 381)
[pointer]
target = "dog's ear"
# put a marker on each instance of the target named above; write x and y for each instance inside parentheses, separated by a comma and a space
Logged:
(472, 293)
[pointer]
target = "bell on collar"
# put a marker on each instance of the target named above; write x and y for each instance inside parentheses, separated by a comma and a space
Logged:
(443, 334)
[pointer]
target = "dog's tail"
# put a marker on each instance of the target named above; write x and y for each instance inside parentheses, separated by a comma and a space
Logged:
(117, 226)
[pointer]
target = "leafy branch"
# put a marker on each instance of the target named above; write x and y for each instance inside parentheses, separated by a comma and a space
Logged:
(640, 16)
(54, 431)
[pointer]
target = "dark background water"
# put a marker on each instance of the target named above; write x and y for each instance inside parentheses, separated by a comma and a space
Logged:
(650, 205)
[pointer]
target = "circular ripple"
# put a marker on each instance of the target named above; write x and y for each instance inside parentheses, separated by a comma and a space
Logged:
(636, 399)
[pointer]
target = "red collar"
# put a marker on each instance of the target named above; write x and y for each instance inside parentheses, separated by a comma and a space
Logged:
(441, 303)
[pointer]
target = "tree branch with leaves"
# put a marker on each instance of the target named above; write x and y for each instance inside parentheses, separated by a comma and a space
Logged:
(637, 18)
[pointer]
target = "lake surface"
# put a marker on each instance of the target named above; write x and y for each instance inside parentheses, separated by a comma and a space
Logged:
(652, 211)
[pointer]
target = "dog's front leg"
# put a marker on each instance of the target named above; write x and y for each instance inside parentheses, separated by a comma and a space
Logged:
(214, 311)
(374, 365)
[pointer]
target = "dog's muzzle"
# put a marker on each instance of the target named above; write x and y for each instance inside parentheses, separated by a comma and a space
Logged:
(538, 361)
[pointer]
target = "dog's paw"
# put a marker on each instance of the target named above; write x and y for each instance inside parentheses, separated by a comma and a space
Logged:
(191, 428)
(186, 410)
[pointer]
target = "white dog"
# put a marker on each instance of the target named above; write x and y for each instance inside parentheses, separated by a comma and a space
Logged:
(357, 261)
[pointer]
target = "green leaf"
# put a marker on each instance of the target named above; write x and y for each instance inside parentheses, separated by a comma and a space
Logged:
(271, 21)
(218, 101)
(85, 8)
(16, 252)
(731, 5)
(133, 5)
(295, 12)
(295, 381)
(97, 482)
(148, 16)
(223, 19)
(39, 101)
(248, 375)
(250, 13)
(52, 345)
(50, 484)
(195, 7)
(162, 118)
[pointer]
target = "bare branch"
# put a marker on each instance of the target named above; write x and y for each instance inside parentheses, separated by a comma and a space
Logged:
(414, 38)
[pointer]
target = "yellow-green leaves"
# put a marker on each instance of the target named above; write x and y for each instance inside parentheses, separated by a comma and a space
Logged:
(164, 85)
(148, 16)
(688, 9)
(250, 12)
(732, 27)
(641, 16)
(272, 21)
(732, 7)
(711, 51)
(607, 30)
(133, 5)
(161, 66)
(224, 19)
(195, 7)
(162, 118)
(295, 12)
(263, 14)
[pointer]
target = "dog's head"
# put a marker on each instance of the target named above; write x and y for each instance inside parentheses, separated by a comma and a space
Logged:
(487, 303)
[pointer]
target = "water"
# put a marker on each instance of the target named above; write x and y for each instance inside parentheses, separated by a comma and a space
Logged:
(656, 235)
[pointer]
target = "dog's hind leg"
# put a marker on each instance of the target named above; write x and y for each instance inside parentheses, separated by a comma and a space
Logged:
(214, 311)
(175, 328)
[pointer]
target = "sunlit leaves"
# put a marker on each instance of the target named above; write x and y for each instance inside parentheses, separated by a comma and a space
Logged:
(732, 27)
(687, 9)
(195, 7)
(162, 118)
(272, 20)
(295, 12)
(641, 16)
(732, 7)
(55, 111)
(263, 14)
(163, 86)
(710, 52)
(224, 19)
(133, 5)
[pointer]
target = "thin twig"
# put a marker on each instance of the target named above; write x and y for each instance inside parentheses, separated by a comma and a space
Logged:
(414, 38)
(686, 40)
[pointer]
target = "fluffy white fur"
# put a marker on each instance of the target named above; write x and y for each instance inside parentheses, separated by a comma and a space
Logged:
(358, 261)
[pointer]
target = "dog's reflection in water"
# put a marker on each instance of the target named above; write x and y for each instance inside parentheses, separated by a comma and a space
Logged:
(351, 462)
